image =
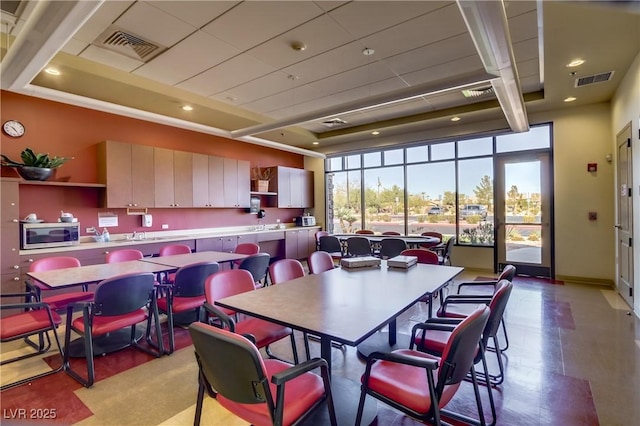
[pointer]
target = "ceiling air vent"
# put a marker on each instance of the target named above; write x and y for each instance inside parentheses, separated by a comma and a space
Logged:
(477, 92)
(333, 122)
(128, 44)
(593, 79)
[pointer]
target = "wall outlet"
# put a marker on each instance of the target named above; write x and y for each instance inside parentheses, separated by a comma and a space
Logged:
(165, 226)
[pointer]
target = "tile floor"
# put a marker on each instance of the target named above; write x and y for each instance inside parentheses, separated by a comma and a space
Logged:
(574, 359)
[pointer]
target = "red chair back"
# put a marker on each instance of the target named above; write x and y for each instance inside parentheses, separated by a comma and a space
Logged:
(433, 234)
(365, 232)
(508, 273)
(391, 233)
(247, 248)
(175, 249)
(285, 270)
(424, 256)
(227, 283)
(124, 255)
(320, 261)
(50, 264)
(320, 234)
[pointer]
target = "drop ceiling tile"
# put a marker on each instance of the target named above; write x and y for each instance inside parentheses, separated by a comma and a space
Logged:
(100, 20)
(259, 88)
(444, 71)
(523, 27)
(329, 5)
(319, 35)
(110, 58)
(154, 24)
(227, 75)
(514, 8)
(433, 54)
(528, 68)
(363, 18)
(74, 47)
(194, 13)
(329, 63)
(438, 25)
(193, 55)
(356, 77)
(254, 22)
(526, 50)
(288, 101)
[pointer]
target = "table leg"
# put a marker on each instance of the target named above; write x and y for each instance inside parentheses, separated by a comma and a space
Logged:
(325, 350)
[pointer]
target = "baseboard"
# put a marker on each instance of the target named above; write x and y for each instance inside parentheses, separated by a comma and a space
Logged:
(586, 280)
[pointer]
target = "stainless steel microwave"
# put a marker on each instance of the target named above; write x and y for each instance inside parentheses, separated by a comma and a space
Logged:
(44, 235)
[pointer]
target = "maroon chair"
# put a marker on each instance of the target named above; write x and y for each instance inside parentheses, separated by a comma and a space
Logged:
(235, 281)
(186, 294)
(123, 255)
(320, 261)
(419, 384)
(365, 232)
(232, 370)
(427, 257)
(119, 302)
(29, 319)
(458, 306)
(434, 245)
(171, 250)
(487, 288)
(391, 233)
(59, 301)
(434, 340)
(245, 248)
(287, 270)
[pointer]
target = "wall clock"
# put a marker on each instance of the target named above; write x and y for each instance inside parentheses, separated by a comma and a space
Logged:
(13, 128)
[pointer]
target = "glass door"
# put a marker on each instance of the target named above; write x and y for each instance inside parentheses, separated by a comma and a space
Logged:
(524, 223)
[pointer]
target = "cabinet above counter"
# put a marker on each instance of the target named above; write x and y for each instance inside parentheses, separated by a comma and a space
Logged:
(147, 177)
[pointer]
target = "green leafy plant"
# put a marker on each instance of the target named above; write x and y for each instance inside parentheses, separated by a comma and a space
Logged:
(31, 159)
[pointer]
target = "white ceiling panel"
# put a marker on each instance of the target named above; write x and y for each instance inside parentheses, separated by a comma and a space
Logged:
(523, 27)
(259, 88)
(195, 13)
(363, 18)
(229, 74)
(526, 50)
(101, 19)
(254, 22)
(318, 35)
(112, 59)
(356, 77)
(443, 71)
(154, 24)
(518, 7)
(437, 53)
(195, 54)
(426, 29)
(74, 47)
(288, 101)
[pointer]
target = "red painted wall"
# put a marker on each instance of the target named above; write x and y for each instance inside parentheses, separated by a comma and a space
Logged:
(71, 131)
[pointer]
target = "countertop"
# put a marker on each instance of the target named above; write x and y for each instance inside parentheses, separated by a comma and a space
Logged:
(123, 240)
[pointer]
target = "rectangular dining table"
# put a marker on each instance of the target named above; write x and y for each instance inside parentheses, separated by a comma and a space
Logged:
(177, 261)
(342, 305)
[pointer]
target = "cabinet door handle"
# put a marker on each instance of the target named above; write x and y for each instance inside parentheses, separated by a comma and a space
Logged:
(30, 260)
(16, 278)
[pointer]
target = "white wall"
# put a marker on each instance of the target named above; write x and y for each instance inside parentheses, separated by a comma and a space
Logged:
(626, 108)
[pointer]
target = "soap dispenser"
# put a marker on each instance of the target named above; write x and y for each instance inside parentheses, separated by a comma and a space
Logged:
(105, 235)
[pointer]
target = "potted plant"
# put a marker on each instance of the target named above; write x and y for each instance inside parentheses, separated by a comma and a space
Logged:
(35, 166)
(260, 177)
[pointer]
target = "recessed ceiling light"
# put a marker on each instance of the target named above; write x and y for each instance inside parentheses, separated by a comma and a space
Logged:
(187, 108)
(316, 143)
(368, 51)
(575, 63)
(299, 46)
(52, 71)
(570, 99)
(375, 132)
(455, 118)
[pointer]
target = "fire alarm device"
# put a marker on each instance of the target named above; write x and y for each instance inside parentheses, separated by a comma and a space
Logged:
(592, 167)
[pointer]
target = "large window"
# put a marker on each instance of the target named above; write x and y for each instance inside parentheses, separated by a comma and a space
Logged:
(445, 187)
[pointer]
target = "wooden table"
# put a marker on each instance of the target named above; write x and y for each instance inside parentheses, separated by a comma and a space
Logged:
(341, 305)
(68, 277)
(177, 261)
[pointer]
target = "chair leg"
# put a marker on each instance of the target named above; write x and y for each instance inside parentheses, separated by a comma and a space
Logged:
(199, 400)
(155, 315)
(307, 350)
(489, 391)
(88, 349)
(506, 337)
(294, 348)
(363, 395)
(170, 325)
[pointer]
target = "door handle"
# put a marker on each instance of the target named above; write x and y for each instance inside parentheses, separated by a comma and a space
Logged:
(617, 225)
